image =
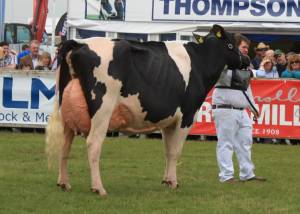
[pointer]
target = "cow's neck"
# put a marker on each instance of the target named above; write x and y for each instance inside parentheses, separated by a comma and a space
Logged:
(207, 65)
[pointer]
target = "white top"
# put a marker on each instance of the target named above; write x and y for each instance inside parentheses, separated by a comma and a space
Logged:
(269, 75)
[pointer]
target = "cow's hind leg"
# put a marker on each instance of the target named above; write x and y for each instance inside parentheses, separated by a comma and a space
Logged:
(174, 138)
(99, 126)
(63, 178)
(94, 147)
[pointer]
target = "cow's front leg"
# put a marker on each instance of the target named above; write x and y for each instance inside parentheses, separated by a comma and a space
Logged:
(63, 178)
(173, 139)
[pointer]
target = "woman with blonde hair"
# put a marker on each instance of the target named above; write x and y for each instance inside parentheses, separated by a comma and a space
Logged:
(267, 69)
(44, 62)
(293, 67)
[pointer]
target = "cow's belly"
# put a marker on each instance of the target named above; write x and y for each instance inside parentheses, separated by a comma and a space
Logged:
(128, 117)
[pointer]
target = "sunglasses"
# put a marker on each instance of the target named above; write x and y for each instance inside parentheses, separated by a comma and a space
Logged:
(262, 49)
(295, 62)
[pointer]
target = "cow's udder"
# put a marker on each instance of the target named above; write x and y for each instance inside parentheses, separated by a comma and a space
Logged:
(74, 108)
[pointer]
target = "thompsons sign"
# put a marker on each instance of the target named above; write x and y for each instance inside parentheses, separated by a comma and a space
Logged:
(227, 10)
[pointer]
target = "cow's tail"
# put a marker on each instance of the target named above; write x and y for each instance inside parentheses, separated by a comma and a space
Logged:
(54, 136)
(55, 127)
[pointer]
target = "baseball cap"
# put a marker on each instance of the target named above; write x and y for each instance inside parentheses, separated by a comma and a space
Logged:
(278, 52)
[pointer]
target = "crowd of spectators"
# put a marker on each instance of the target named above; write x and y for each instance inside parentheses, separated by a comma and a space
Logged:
(29, 58)
(269, 63)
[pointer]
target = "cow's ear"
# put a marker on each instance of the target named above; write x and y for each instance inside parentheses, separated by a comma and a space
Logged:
(199, 39)
(218, 31)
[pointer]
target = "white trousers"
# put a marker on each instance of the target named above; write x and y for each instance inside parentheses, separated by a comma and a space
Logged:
(234, 131)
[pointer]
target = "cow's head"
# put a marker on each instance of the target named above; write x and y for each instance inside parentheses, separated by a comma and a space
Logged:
(225, 43)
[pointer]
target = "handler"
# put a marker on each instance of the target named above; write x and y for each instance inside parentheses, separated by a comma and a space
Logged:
(231, 96)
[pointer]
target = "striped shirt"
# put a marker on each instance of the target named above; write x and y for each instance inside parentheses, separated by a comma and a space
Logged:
(8, 60)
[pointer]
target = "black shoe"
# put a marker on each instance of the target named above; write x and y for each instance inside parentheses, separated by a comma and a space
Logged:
(231, 180)
(255, 178)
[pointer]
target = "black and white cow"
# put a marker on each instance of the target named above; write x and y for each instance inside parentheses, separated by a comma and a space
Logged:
(136, 87)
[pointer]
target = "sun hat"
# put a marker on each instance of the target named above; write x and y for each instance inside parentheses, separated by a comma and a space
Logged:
(262, 46)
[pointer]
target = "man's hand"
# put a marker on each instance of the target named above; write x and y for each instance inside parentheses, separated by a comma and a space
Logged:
(256, 115)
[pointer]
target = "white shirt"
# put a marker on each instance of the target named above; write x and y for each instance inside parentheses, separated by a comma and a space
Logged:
(35, 62)
(232, 97)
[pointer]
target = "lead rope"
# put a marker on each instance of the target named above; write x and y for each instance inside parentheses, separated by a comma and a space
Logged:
(251, 104)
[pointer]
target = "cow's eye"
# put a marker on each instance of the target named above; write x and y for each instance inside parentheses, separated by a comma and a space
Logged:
(230, 46)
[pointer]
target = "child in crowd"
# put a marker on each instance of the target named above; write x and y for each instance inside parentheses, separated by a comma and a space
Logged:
(44, 62)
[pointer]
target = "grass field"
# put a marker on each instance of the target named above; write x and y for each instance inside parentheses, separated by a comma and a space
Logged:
(132, 171)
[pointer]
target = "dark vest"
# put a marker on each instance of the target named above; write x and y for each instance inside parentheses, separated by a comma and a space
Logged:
(234, 79)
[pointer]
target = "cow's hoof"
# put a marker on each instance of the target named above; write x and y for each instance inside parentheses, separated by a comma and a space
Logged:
(64, 187)
(102, 194)
(170, 184)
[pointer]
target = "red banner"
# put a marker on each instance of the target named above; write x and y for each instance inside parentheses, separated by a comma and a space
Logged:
(278, 102)
(40, 12)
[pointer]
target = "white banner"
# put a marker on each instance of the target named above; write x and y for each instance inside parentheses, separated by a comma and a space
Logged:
(227, 10)
(27, 98)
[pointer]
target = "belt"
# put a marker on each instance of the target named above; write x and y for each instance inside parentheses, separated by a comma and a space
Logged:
(226, 106)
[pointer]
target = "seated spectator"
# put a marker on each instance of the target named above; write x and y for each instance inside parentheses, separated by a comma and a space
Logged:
(25, 52)
(31, 61)
(281, 62)
(9, 59)
(266, 69)
(293, 67)
(44, 62)
(260, 53)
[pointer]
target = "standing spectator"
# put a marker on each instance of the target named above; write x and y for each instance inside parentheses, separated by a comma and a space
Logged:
(9, 59)
(1, 53)
(119, 6)
(271, 55)
(233, 124)
(267, 69)
(120, 10)
(31, 61)
(25, 52)
(281, 62)
(105, 10)
(44, 62)
(57, 59)
(293, 67)
(260, 53)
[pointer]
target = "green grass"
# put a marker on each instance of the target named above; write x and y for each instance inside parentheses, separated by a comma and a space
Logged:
(132, 171)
